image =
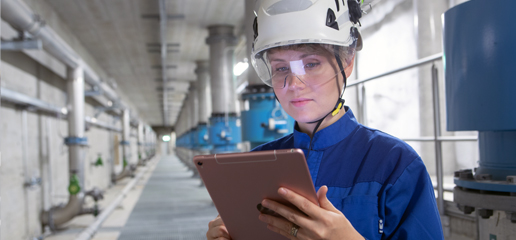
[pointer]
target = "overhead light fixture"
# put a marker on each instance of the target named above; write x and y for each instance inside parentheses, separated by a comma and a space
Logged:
(166, 138)
(240, 67)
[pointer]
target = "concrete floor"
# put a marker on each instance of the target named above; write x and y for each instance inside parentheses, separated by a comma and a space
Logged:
(168, 187)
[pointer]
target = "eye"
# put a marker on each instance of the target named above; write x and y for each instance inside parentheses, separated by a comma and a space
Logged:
(282, 69)
(311, 65)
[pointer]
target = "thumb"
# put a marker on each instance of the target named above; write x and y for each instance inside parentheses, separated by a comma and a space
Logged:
(323, 200)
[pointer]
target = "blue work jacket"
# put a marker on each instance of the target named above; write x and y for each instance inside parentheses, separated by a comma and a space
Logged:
(378, 181)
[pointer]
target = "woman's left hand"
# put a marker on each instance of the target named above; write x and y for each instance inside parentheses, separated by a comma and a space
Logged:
(317, 222)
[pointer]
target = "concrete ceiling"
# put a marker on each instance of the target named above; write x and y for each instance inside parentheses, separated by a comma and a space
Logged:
(124, 38)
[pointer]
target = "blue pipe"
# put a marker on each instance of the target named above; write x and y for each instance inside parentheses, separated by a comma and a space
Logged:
(479, 59)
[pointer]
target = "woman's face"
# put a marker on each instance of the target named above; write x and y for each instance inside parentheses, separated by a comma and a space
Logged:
(307, 97)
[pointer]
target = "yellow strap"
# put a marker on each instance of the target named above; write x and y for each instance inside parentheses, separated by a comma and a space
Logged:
(336, 111)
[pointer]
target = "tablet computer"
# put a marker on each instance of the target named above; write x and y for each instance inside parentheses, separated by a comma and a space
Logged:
(238, 182)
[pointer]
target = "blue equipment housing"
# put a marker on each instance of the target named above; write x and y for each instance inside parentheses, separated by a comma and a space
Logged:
(224, 133)
(201, 138)
(479, 59)
(265, 120)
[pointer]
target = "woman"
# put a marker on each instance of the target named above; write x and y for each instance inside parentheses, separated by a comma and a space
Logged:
(370, 185)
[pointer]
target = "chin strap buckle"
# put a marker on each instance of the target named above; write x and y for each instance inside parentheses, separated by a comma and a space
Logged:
(338, 106)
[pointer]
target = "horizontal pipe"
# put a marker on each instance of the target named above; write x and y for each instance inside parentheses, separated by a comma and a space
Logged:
(89, 232)
(22, 99)
(418, 63)
(100, 124)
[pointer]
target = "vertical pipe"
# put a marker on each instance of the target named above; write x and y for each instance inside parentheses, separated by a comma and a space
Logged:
(437, 142)
(204, 96)
(224, 132)
(75, 87)
(26, 176)
(140, 142)
(126, 131)
(203, 91)
(222, 41)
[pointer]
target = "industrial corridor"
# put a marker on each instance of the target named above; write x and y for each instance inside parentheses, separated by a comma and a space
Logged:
(165, 191)
(401, 113)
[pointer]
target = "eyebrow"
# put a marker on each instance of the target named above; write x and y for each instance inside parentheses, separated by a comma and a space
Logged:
(302, 56)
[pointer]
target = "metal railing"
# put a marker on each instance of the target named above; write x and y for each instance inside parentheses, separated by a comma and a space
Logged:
(437, 138)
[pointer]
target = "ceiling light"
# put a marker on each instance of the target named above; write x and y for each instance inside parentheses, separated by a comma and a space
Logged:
(240, 68)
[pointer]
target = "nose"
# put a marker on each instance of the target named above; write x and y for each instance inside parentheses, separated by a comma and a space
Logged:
(294, 81)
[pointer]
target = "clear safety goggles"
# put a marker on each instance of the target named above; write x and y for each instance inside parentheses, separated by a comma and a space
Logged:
(311, 64)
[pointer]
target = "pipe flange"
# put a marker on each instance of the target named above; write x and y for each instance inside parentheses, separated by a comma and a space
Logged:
(70, 141)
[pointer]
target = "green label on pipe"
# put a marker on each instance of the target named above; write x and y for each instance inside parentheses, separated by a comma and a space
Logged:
(74, 186)
(99, 162)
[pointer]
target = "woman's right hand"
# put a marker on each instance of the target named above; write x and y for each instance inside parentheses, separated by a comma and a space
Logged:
(217, 230)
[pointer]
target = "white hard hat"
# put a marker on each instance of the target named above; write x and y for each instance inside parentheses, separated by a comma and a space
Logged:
(286, 22)
(279, 23)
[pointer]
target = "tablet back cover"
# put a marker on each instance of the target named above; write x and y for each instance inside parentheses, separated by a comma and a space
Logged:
(238, 182)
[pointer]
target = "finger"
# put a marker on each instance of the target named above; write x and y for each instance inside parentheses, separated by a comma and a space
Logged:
(286, 218)
(323, 200)
(277, 225)
(216, 222)
(219, 232)
(302, 203)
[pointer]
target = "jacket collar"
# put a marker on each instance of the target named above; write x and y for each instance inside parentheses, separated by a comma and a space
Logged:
(328, 136)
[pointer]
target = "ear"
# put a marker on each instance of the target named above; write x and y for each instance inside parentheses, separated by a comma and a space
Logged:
(349, 68)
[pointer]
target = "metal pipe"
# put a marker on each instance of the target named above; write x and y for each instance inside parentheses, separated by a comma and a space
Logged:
(203, 90)
(89, 232)
(22, 99)
(418, 63)
(194, 120)
(100, 124)
(126, 150)
(19, 98)
(221, 41)
(21, 17)
(75, 89)
(438, 145)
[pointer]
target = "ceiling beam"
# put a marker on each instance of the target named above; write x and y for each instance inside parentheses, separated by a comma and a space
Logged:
(163, 18)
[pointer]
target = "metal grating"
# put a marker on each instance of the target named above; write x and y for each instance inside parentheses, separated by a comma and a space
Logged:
(172, 206)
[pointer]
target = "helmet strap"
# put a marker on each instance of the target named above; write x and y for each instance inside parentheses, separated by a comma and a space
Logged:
(340, 100)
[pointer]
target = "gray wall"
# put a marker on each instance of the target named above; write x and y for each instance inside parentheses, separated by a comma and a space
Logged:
(45, 155)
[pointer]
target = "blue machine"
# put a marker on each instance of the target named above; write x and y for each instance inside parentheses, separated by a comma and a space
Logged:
(224, 132)
(480, 59)
(201, 138)
(265, 120)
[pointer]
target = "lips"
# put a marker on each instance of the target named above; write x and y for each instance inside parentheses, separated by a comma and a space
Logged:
(299, 102)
